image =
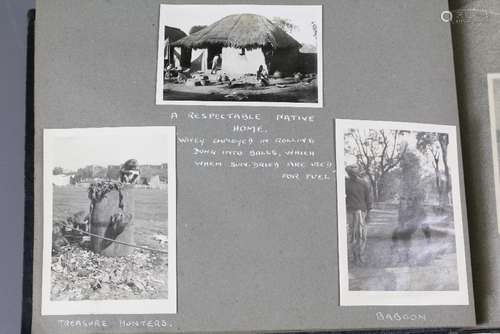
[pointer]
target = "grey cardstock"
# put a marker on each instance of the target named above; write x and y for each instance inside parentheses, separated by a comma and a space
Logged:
(254, 253)
(475, 41)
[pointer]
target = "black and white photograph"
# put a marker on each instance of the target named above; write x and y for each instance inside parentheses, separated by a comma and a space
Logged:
(494, 105)
(399, 214)
(248, 55)
(109, 221)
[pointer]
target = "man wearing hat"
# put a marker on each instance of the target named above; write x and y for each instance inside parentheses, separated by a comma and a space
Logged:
(129, 172)
(358, 205)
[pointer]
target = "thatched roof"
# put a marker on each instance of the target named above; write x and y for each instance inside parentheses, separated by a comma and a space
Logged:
(249, 31)
(174, 34)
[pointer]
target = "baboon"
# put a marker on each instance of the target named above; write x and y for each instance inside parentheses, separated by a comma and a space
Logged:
(411, 218)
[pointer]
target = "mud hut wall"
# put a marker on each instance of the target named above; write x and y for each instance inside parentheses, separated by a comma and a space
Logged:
(284, 60)
(308, 63)
(233, 62)
(199, 60)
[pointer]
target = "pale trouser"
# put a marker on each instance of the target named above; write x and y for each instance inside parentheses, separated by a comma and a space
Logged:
(357, 233)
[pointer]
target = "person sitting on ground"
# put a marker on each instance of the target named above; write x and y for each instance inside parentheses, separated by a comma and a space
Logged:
(262, 76)
(215, 63)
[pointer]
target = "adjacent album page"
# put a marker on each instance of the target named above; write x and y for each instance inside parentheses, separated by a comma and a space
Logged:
(475, 27)
(219, 166)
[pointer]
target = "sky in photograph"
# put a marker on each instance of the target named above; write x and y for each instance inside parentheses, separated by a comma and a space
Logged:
(92, 147)
(186, 16)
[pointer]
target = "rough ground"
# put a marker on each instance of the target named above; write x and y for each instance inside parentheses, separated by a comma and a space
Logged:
(80, 274)
(287, 91)
(430, 266)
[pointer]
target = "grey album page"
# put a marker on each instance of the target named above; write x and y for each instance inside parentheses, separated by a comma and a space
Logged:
(475, 27)
(219, 166)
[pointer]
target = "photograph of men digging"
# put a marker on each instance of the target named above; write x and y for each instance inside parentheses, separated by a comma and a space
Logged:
(96, 254)
(240, 54)
(110, 197)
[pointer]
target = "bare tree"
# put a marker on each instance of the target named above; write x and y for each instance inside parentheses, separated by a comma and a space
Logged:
(314, 27)
(285, 24)
(377, 152)
(444, 140)
(436, 144)
(427, 144)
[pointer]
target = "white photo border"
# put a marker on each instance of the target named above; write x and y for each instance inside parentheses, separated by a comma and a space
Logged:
(144, 306)
(394, 298)
(160, 65)
(492, 77)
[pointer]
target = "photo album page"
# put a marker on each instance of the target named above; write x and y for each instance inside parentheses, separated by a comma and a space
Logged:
(476, 30)
(220, 166)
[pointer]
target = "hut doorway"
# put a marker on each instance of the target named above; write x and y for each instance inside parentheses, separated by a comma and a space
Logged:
(211, 53)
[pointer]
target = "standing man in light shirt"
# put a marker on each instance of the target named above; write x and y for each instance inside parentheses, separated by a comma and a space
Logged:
(358, 205)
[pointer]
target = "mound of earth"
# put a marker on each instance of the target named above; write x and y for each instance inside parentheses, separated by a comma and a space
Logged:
(80, 274)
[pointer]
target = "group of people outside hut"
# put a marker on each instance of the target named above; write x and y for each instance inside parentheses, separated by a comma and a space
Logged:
(245, 42)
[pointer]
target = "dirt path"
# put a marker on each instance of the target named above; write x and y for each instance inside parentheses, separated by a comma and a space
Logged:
(292, 92)
(421, 265)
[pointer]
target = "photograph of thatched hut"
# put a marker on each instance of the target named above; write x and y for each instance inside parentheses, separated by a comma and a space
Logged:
(244, 54)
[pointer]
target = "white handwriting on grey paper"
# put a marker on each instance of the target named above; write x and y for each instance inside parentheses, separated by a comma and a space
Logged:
(97, 323)
(396, 316)
(144, 323)
(251, 146)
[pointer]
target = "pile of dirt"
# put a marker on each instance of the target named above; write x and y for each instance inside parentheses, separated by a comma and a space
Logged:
(80, 274)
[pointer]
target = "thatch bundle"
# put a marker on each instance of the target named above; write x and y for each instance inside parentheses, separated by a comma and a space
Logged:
(249, 31)
(174, 34)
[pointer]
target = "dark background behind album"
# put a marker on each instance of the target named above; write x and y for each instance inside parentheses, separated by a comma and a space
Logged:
(13, 63)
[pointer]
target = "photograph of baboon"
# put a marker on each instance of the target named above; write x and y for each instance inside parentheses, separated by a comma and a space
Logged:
(108, 192)
(240, 54)
(399, 217)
